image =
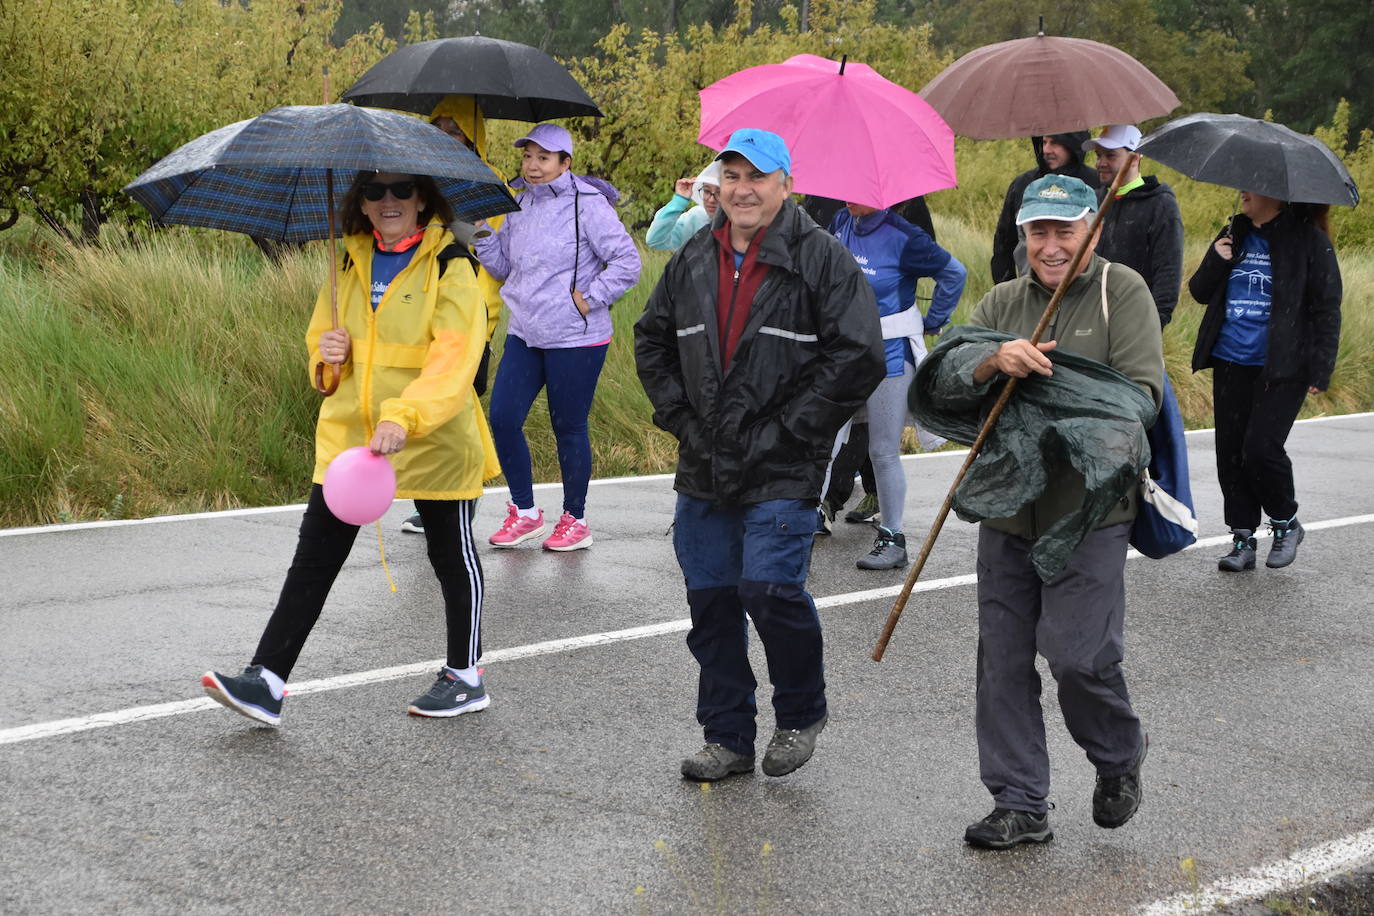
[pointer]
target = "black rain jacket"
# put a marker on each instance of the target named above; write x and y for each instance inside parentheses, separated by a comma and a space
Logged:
(1144, 230)
(810, 355)
(1305, 311)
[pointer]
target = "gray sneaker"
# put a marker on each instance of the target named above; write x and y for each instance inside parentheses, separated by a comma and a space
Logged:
(889, 551)
(825, 517)
(791, 747)
(715, 761)
(1287, 536)
(450, 696)
(414, 524)
(865, 512)
(1242, 555)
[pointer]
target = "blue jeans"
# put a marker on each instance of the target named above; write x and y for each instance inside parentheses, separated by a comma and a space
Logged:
(750, 560)
(570, 375)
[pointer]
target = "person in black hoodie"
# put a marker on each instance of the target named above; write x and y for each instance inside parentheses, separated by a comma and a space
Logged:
(1143, 228)
(1272, 288)
(1060, 154)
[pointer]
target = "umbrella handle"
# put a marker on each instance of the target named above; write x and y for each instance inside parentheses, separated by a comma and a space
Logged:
(335, 375)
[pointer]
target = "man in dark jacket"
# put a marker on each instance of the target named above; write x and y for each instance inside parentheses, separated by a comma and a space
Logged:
(1060, 154)
(759, 342)
(1143, 228)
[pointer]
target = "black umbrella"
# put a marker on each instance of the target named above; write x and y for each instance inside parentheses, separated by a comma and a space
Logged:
(510, 81)
(1249, 155)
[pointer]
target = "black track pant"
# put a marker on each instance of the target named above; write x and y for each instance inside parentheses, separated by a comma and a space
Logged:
(320, 553)
(1253, 419)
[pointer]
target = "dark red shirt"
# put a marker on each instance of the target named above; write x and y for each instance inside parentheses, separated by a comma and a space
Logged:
(736, 290)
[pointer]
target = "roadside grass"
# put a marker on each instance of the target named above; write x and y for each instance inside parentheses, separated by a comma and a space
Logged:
(164, 372)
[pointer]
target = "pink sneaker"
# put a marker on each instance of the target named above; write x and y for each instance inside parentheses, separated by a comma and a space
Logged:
(569, 534)
(517, 529)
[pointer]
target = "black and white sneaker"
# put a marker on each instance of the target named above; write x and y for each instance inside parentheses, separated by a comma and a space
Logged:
(413, 524)
(246, 694)
(450, 696)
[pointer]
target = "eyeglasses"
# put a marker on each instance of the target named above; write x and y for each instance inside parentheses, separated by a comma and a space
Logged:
(708, 194)
(401, 190)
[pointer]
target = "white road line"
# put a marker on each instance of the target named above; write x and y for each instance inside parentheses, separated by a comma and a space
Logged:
(56, 728)
(1300, 869)
(489, 491)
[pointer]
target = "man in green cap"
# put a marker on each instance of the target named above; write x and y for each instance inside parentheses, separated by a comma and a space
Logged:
(1076, 618)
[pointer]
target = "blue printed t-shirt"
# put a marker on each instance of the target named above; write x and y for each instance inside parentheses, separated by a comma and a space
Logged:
(385, 266)
(1244, 336)
(892, 254)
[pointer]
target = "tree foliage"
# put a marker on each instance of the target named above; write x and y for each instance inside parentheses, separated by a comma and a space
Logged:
(648, 83)
(98, 90)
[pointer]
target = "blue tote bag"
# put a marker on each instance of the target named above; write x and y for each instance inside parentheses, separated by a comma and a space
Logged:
(1165, 523)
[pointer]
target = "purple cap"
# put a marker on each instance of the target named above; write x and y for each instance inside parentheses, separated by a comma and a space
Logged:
(553, 138)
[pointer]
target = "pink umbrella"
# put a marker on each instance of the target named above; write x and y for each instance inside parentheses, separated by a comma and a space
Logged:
(853, 135)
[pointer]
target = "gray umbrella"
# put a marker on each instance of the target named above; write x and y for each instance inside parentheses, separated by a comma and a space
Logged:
(1249, 155)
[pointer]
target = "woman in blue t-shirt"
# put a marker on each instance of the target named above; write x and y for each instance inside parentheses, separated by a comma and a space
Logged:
(1272, 288)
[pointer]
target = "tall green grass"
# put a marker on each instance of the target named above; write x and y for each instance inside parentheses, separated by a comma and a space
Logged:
(166, 373)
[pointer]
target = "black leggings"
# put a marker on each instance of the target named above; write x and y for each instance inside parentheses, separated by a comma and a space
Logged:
(320, 553)
(1253, 419)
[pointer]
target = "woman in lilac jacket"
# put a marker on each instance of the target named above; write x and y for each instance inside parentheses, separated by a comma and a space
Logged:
(565, 258)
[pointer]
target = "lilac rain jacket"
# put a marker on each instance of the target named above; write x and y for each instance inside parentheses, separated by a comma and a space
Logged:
(534, 254)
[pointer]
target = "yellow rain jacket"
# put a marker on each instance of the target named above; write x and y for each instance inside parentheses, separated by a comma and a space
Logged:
(470, 120)
(412, 362)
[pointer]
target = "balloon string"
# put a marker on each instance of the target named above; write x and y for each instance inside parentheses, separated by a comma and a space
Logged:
(382, 550)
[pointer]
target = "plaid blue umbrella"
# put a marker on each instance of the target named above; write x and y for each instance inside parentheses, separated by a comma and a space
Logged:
(267, 176)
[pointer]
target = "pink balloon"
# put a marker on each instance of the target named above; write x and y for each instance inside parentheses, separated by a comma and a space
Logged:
(359, 486)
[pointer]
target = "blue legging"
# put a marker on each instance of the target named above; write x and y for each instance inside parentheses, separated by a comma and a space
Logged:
(570, 376)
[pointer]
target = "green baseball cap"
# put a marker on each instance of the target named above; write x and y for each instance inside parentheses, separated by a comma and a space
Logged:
(1060, 197)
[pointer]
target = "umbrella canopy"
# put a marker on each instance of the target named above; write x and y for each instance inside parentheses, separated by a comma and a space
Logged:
(270, 176)
(1033, 87)
(509, 80)
(1249, 155)
(853, 135)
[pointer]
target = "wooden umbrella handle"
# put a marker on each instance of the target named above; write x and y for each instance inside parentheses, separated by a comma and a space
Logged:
(335, 375)
(900, 604)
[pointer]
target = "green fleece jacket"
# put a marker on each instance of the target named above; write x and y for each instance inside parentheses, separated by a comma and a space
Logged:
(1126, 336)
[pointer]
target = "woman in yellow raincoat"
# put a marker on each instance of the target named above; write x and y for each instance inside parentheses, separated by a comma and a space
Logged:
(410, 339)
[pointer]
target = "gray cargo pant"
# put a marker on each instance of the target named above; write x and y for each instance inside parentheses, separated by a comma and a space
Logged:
(1076, 621)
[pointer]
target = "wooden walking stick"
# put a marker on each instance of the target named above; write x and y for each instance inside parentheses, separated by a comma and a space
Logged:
(335, 374)
(996, 412)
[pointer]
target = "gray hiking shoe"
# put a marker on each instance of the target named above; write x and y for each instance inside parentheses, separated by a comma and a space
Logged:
(450, 696)
(1242, 555)
(865, 512)
(1117, 798)
(716, 761)
(1004, 828)
(791, 747)
(1287, 536)
(889, 551)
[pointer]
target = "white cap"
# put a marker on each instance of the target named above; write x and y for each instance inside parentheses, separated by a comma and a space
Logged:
(1118, 136)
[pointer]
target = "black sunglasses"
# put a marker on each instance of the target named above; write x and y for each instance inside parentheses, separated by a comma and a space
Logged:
(401, 190)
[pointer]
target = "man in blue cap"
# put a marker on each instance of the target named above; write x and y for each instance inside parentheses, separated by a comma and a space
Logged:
(759, 342)
(1075, 619)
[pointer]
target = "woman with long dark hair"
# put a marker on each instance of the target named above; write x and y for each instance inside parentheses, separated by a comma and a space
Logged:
(1272, 288)
(410, 338)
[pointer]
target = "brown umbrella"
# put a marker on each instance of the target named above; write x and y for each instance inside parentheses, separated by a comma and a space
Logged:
(1033, 87)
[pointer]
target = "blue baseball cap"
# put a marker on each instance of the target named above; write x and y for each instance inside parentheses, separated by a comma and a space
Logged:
(1059, 197)
(765, 149)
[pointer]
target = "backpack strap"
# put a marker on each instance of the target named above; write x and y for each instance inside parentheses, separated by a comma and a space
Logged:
(455, 250)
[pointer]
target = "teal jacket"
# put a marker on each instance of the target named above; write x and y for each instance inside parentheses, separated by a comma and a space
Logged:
(675, 222)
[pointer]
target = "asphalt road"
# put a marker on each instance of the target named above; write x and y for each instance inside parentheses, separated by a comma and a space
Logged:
(564, 796)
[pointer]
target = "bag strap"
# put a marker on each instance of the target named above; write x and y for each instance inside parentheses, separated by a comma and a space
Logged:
(1105, 265)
